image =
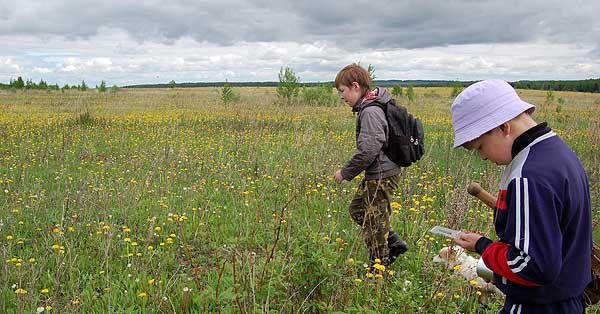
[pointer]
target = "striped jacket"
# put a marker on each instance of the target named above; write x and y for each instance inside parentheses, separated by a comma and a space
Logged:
(543, 220)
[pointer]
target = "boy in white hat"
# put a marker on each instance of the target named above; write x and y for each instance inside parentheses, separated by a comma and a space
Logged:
(543, 213)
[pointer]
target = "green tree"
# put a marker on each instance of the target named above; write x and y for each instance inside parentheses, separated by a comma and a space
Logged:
(371, 70)
(42, 85)
(227, 93)
(549, 96)
(397, 90)
(457, 88)
(410, 93)
(83, 87)
(102, 87)
(19, 83)
(172, 84)
(289, 84)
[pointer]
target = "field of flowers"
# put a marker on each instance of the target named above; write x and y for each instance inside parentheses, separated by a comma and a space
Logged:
(168, 201)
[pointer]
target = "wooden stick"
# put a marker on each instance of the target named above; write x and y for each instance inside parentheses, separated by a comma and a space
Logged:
(476, 190)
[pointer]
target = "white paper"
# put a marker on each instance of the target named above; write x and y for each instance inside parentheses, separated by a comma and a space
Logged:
(447, 232)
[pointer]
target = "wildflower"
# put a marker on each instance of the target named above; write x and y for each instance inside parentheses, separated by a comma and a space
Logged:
(9, 237)
(358, 280)
(379, 267)
(474, 282)
(134, 243)
(21, 291)
(439, 294)
(48, 308)
(44, 291)
(186, 289)
(369, 275)
(151, 281)
(150, 248)
(157, 228)
(39, 310)
(326, 238)
(457, 267)
(478, 292)
(142, 294)
(127, 240)
(75, 302)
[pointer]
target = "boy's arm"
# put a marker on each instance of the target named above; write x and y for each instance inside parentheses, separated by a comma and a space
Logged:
(369, 143)
(529, 252)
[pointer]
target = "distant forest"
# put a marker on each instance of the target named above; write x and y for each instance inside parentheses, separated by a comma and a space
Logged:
(589, 85)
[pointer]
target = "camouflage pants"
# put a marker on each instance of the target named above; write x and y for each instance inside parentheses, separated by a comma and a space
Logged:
(370, 209)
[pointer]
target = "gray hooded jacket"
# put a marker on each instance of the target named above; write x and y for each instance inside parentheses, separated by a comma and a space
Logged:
(370, 140)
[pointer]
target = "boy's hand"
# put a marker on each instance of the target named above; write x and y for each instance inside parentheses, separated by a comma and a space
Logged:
(338, 176)
(467, 240)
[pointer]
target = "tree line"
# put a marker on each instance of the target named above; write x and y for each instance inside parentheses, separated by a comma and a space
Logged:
(20, 84)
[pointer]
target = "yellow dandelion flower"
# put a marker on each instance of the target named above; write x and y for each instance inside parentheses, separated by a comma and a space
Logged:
(326, 238)
(150, 248)
(134, 243)
(439, 294)
(151, 281)
(358, 280)
(44, 291)
(142, 294)
(9, 237)
(369, 275)
(377, 260)
(21, 291)
(75, 302)
(32, 260)
(55, 247)
(49, 307)
(379, 267)
(457, 267)
(127, 240)
(157, 228)
(474, 282)
(478, 292)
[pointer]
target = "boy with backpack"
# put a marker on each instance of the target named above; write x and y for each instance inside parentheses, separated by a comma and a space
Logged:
(370, 207)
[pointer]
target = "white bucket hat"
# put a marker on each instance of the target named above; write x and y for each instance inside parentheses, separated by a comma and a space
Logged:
(483, 106)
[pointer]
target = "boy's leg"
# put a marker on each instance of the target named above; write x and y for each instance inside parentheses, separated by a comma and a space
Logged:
(370, 209)
(377, 226)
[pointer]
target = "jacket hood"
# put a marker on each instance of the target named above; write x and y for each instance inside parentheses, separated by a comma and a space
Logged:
(378, 94)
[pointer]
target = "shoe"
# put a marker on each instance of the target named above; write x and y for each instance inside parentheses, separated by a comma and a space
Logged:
(396, 246)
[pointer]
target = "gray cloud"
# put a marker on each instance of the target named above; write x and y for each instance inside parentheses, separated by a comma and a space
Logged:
(351, 23)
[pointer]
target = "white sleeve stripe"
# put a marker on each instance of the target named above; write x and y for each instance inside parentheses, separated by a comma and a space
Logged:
(526, 210)
(517, 259)
(518, 214)
(520, 268)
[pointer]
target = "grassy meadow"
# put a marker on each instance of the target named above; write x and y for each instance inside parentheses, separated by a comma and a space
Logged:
(169, 201)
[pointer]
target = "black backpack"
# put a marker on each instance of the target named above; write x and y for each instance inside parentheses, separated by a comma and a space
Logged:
(405, 143)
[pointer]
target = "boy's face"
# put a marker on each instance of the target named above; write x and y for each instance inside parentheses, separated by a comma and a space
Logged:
(494, 146)
(350, 94)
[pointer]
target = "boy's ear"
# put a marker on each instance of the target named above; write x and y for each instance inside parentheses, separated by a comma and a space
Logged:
(505, 128)
(355, 84)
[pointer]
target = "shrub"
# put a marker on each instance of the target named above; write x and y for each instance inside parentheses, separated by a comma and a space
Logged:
(320, 95)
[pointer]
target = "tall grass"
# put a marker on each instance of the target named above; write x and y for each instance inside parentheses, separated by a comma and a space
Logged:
(165, 201)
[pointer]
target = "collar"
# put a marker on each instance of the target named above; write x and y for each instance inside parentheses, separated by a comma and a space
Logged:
(529, 136)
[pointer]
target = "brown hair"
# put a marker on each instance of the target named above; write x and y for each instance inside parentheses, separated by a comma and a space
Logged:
(353, 73)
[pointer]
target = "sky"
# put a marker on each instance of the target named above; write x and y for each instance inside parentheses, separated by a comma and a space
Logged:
(145, 42)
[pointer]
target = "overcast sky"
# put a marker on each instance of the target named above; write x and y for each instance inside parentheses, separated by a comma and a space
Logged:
(135, 42)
